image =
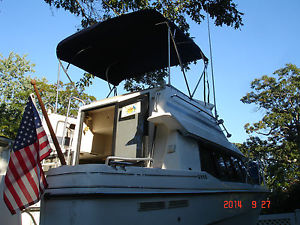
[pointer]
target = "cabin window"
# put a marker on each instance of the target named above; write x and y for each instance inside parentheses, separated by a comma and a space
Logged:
(222, 164)
(229, 168)
(237, 168)
(208, 162)
(243, 170)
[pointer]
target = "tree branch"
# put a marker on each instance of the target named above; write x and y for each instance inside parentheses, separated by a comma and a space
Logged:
(111, 8)
(82, 10)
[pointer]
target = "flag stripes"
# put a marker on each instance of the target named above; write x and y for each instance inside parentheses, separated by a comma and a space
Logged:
(25, 180)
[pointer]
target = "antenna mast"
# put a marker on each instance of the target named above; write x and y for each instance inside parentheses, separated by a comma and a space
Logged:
(211, 63)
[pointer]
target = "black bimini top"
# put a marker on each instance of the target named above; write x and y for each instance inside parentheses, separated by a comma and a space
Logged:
(127, 46)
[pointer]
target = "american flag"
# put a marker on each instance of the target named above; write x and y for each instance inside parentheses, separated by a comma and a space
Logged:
(25, 180)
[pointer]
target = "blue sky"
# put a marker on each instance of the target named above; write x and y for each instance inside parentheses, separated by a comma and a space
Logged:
(268, 40)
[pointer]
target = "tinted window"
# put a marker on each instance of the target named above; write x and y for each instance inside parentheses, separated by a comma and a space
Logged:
(208, 162)
(221, 167)
(237, 169)
(222, 164)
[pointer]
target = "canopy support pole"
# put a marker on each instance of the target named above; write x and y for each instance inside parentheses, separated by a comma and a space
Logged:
(180, 62)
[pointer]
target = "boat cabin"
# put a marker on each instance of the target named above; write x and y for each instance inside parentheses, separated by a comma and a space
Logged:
(156, 128)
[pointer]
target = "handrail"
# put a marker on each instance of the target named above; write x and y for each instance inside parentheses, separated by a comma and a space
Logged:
(126, 159)
(196, 107)
(219, 122)
(29, 210)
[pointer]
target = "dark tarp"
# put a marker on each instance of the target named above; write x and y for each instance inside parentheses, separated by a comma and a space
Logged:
(128, 46)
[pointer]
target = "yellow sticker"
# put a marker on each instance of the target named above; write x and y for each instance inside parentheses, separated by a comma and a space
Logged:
(132, 109)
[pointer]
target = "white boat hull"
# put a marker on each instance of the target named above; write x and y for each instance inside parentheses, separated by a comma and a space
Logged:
(116, 209)
(99, 194)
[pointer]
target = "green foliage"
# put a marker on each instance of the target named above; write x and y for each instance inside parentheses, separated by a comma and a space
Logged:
(223, 12)
(66, 92)
(12, 91)
(279, 151)
(84, 82)
(15, 87)
(279, 97)
(284, 201)
(149, 80)
(280, 163)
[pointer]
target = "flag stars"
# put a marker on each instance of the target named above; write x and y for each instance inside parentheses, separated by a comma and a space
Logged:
(27, 132)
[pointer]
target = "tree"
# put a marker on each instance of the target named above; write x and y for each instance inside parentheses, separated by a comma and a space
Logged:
(15, 88)
(150, 80)
(12, 77)
(278, 143)
(223, 12)
(92, 11)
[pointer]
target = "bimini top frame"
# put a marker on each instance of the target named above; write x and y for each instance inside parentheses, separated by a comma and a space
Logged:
(128, 46)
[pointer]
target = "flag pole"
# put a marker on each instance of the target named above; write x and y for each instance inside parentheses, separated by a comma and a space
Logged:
(58, 150)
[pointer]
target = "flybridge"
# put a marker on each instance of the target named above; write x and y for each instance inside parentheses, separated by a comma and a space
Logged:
(129, 46)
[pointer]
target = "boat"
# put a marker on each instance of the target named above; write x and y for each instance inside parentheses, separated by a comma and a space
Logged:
(156, 156)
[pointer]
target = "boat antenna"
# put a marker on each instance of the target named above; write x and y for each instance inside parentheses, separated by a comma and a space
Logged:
(211, 62)
(169, 55)
(204, 89)
(220, 122)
